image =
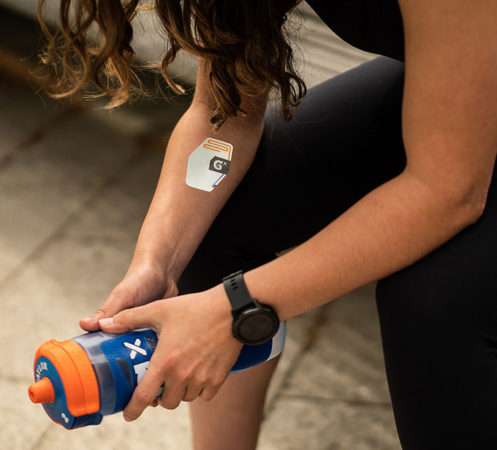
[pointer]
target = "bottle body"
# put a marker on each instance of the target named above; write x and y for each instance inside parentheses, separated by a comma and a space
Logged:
(119, 362)
(95, 374)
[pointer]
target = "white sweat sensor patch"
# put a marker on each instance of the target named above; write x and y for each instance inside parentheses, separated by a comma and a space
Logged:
(208, 164)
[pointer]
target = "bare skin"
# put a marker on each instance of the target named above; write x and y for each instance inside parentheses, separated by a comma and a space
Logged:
(450, 135)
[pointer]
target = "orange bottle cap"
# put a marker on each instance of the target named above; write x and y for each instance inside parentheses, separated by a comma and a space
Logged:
(42, 391)
(76, 373)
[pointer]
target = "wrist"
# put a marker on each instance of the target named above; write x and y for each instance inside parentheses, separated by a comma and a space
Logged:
(221, 300)
(166, 245)
(254, 323)
(160, 258)
(220, 305)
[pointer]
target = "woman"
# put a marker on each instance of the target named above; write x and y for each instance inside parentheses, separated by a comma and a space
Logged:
(384, 173)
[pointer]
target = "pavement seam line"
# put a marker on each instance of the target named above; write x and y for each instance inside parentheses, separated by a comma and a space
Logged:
(55, 234)
(37, 134)
(313, 332)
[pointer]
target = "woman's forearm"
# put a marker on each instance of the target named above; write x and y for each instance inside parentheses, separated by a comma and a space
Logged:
(390, 228)
(180, 215)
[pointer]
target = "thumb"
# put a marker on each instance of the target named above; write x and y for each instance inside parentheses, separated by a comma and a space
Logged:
(131, 319)
(117, 301)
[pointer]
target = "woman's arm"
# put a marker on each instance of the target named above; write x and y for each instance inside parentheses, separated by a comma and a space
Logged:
(450, 136)
(180, 215)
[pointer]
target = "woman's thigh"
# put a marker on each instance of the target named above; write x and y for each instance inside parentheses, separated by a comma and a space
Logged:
(439, 328)
(344, 141)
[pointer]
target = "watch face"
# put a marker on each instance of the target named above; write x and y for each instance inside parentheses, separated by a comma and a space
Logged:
(256, 326)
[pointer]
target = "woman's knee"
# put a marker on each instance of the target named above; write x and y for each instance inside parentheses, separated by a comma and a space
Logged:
(438, 322)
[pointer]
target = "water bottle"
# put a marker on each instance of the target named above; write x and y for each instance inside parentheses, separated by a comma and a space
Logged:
(80, 380)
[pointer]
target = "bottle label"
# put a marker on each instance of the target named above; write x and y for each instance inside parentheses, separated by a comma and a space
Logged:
(128, 356)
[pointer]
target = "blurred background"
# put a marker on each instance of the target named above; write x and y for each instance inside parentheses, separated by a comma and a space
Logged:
(75, 184)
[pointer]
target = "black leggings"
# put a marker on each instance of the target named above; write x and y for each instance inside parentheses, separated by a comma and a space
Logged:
(438, 316)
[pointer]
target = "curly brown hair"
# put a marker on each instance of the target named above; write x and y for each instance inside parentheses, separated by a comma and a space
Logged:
(244, 44)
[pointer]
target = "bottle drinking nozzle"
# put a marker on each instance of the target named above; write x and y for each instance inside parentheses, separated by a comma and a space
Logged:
(80, 380)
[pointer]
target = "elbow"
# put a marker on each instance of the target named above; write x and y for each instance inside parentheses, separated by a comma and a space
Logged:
(458, 192)
(474, 210)
(469, 204)
(462, 201)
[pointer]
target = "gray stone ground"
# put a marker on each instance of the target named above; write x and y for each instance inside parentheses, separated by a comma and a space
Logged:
(74, 188)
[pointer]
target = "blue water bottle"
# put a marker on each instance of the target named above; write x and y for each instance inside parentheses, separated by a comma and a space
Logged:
(80, 380)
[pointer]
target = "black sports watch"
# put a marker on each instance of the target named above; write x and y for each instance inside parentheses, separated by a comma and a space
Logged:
(253, 323)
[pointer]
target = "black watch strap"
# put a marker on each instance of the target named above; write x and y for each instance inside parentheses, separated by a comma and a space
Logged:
(237, 292)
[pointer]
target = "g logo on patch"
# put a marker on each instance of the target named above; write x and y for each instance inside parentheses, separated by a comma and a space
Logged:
(220, 165)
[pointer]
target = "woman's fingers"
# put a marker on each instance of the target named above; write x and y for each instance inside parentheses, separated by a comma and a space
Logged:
(119, 299)
(132, 319)
(142, 284)
(193, 355)
(144, 395)
(172, 395)
(161, 368)
(192, 392)
(210, 389)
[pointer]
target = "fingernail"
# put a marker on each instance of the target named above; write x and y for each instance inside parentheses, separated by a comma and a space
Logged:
(126, 418)
(109, 321)
(88, 319)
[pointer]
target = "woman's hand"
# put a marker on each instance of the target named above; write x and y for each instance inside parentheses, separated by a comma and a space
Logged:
(143, 283)
(195, 351)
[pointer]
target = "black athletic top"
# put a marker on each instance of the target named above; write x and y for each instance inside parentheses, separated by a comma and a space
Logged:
(371, 25)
